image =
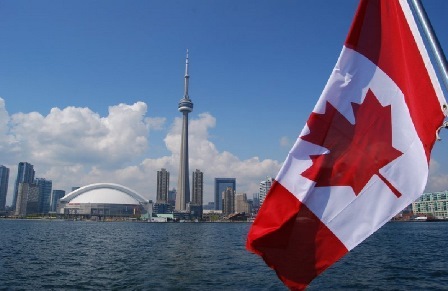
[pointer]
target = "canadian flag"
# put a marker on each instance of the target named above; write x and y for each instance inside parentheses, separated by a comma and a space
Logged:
(364, 153)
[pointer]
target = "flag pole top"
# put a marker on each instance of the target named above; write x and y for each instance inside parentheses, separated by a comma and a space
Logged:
(436, 49)
(432, 39)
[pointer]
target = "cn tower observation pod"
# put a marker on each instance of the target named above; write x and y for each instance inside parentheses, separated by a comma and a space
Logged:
(103, 199)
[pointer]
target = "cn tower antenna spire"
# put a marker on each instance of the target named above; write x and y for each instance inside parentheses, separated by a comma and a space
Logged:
(187, 77)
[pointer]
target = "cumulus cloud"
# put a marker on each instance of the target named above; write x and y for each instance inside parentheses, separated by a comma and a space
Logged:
(78, 135)
(75, 146)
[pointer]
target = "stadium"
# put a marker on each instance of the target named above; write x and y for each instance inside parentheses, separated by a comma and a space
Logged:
(104, 200)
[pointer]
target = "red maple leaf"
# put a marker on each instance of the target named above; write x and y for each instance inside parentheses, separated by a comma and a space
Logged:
(356, 151)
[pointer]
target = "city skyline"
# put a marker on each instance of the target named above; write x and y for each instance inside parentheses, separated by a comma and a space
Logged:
(48, 196)
(88, 90)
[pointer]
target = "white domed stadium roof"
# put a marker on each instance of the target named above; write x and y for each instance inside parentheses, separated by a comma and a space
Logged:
(106, 193)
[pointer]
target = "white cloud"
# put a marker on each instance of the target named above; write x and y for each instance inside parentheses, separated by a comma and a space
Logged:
(438, 179)
(155, 123)
(78, 135)
(76, 146)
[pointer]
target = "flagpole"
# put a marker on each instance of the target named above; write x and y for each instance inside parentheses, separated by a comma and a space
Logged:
(432, 39)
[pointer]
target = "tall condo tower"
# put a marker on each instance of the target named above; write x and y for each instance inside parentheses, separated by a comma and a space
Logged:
(183, 185)
(4, 179)
(25, 174)
(163, 184)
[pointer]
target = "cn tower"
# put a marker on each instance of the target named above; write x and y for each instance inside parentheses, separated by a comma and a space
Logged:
(183, 185)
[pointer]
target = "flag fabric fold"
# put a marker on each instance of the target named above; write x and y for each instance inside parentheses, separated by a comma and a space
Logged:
(364, 153)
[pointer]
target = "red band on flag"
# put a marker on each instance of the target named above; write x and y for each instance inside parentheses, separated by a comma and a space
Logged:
(292, 240)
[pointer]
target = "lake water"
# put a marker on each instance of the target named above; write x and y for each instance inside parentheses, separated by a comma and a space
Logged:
(73, 255)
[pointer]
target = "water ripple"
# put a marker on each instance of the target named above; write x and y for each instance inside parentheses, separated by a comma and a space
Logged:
(36, 255)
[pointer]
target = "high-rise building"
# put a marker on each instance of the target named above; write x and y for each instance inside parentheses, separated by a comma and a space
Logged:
(241, 204)
(197, 188)
(162, 208)
(27, 199)
(55, 196)
(264, 189)
(172, 197)
(228, 201)
(433, 205)
(183, 186)
(256, 200)
(4, 179)
(221, 185)
(45, 187)
(163, 184)
(197, 194)
(25, 174)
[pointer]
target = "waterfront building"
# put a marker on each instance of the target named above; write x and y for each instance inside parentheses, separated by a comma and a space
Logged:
(228, 201)
(264, 189)
(212, 215)
(197, 188)
(255, 202)
(45, 187)
(27, 199)
(195, 211)
(163, 184)
(104, 200)
(162, 208)
(241, 204)
(433, 205)
(197, 193)
(4, 179)
(56, 195)
(172, 197)
(25, 174)
(250, 202)
(221, 185)
(183, 186)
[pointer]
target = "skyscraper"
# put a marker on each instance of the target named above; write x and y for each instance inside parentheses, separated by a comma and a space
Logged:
(27, 199)
(45, 187)
(183, 185)
(241, 204)
(25, 174)
(163, 184)
(172, 197)
(55, 196)
(264, 189)
(4, 178)
(197, 189)
(221, 185)
(228, 201)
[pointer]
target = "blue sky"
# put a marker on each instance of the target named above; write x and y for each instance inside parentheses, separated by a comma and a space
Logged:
(257, 68)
